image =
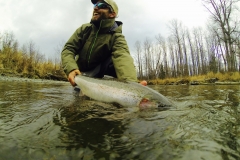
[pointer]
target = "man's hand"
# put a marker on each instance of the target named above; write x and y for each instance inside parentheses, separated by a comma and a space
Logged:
(143, 82)
(72, 75)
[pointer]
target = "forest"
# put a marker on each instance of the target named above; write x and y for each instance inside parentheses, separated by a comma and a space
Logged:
(194, 52)
(184, 53)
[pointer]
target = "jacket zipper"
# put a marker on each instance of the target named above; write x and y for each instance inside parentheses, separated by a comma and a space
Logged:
(94, 42)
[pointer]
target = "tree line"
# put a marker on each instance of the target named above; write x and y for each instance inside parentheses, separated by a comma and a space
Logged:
(195, 52)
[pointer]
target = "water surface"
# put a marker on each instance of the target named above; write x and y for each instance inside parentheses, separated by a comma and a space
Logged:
(50, 121)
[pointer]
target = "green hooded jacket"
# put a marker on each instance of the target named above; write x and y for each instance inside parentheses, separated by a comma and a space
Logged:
(89, 46)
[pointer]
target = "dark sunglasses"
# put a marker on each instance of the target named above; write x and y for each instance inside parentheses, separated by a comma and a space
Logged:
(102, 6)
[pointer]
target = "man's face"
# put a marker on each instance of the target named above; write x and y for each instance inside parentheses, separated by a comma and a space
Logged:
(101, 12)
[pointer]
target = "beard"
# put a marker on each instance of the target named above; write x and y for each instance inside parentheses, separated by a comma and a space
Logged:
(100, 17)
(96, 21)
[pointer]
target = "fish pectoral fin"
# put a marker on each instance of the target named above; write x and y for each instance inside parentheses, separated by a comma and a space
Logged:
(81, 94)
(144, 103)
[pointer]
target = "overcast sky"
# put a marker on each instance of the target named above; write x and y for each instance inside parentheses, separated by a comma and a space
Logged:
(50, 23)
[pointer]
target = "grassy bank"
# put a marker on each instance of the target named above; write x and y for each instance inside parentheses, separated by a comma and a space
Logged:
(201, 79)
(51, 75)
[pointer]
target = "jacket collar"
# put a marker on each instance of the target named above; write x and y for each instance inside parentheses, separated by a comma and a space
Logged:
(107, 25)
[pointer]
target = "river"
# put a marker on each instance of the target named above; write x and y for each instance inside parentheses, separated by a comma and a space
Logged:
(48, 120)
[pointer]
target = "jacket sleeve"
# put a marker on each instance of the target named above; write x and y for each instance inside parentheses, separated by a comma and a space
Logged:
(71, 49)
(122, 60)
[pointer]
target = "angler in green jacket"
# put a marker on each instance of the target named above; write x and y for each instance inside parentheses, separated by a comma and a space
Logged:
(99, 48)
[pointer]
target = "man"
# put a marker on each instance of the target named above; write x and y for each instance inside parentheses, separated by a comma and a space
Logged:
(99, 48)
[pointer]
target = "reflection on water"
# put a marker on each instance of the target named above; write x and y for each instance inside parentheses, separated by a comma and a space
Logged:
(50, 121)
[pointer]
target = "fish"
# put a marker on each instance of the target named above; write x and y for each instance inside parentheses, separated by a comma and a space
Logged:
(125, 93)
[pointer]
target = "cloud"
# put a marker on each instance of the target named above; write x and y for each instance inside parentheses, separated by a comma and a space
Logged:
(48, 23)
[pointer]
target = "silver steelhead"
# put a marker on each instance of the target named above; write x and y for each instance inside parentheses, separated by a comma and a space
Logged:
(129, 94)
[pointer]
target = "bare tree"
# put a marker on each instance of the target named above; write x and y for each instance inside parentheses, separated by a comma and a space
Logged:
(172, 58)
(211, 46)
(185, 53)
(35, 58)
(147, 57)
(57, 57)
(31, 52)
(139, 59)
(156, 59)
(193, 70)
(200, 53)
(162, 67)
(176, 31)
(222, 12)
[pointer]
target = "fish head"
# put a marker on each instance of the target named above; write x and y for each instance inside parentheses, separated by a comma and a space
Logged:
(154, 102)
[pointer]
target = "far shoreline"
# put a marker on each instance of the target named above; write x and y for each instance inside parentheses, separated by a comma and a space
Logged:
(24, 79)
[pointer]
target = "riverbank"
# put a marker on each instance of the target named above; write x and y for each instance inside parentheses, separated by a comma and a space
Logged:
(212, 81)
(229, 78)
(22, 79)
